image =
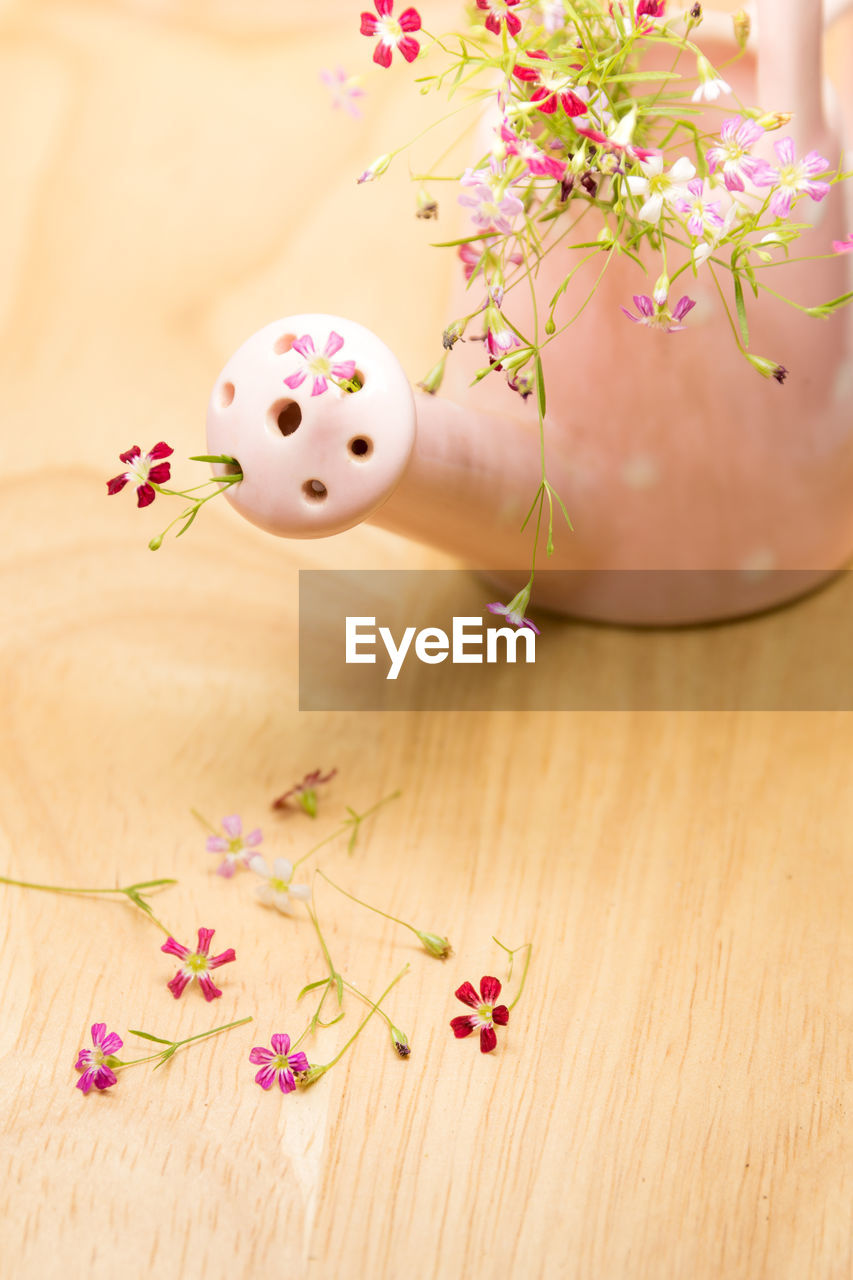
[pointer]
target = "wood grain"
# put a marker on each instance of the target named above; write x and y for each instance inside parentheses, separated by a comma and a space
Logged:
(672, 1096)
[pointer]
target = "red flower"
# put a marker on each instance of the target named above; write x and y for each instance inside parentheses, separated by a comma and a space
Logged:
(553, 87)
(392, 32)
(499, 11)
(142, 473)
(196, 964)
(651, 8)
(485, 1016)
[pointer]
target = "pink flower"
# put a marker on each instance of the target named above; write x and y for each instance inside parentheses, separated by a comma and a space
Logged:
(488, 210)
(392, 32)
(499, 337)
(658, 315)
(278, 1062)
(704, 213)
(473, 253)
(305, 792)
(539, 163)
(320, 366)
(553, 87)
(512, 615)
(843, 246)
(499, 11)
(343, 89)
(197, 964)
(651, 9)
(233, 844)
(795, 178)
(143, 473)
(93, 1062)
(487, 1015)
(737, 137)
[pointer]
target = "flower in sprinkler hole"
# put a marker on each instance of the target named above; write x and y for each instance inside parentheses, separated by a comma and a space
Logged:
(657, 315)
(278, 1063)
(486, 1016)
(795, 177)
(394, 33)
(94, 1062)
(732, 154)
(657, 188)
(305, 792)
(197, 964)
(143, 472)
(711, 86)
(843, 246)
(344, 90)
(488, 210)
(320, 365)
(512, 615)
(277, 891)
(553, 86)
(500, 11)
(235, 846)
(703, 214)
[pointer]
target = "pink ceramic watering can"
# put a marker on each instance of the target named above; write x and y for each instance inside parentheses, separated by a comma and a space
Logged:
(669, 451)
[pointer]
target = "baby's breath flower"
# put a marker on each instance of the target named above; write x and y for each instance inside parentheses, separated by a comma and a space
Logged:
(277, 889)
(197, 964)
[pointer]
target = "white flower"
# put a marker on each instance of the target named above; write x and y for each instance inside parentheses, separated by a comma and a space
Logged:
(278, 891)
(660, 188)
(711, 86)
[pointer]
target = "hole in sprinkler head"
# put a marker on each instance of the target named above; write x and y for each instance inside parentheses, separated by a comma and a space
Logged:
(315, 490)
(286, 415)
(283, 344)
(232, 468)
(361, 447)
(226, 394)
(356, 382)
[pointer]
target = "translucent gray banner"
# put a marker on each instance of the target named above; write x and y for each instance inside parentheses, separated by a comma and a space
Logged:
(425, 641)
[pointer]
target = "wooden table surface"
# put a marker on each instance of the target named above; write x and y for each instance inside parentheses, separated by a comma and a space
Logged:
(672, 1097)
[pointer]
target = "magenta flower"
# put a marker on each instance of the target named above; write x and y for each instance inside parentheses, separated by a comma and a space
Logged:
(486, 1013)
(343, 89)
(471, 254)
(795, 178)
(651, 9)
(704, 214)
(93, 1062)
(321, 367)
(144, 472)
(499, 337)
(488, 210)
(305, 792)
(197, 964)
(393, 32)
(500, 11)
(658, 315)
(278, 1062)
(553, 87)
(235, 846)
(732, 153)
(539, 163)
(512, 615)
(843, 246)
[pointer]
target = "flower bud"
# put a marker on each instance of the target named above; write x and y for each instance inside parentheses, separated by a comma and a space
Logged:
(768, 368)
(156, 543)
(400, 1041)
(426, 207)
(775, 120)
(452, 334)
(742, 25)
(431, 383)
(435, 945)
(376, 169)
(661, 289)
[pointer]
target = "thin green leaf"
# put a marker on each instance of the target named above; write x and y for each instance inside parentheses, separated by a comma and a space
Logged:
(741, 311)
(145, 1035)
(312, 986)
(540, 386)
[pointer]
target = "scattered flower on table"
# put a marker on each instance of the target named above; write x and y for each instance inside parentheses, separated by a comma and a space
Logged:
(278, 1064)
(344, 90)
(320, 365)
(94, 1062)
(197, 964)
(277, 891)
(304, 793)
(394, 33)
(144, 471)
(500, 12)
(656, 315)
(512, 615)
(843, 246)
(487, 1013)
(236, 847)
(795, 177)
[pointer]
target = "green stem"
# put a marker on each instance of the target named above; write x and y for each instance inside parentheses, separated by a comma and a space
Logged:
(131, 892)
(375, 1008)
(174, 1045)
(353, 822)
(366, 905)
